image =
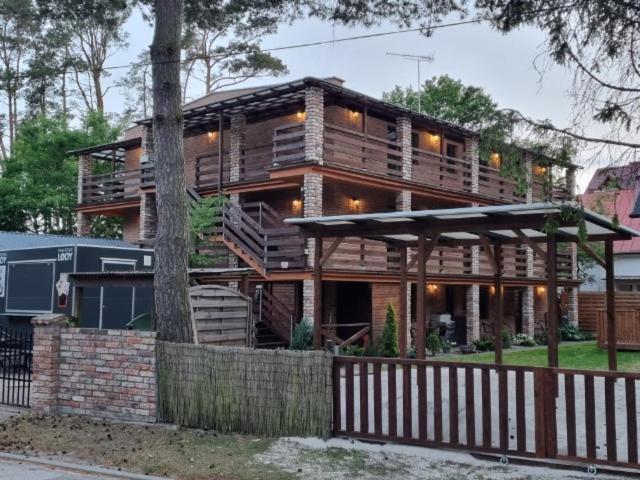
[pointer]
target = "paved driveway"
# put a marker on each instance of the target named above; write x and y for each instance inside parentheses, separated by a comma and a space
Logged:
(27, 471)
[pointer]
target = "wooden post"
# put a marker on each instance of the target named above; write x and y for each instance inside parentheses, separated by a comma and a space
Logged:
(220, 151)
(402, 303)
(612, 328)
(244, 284)
(317, 293)
(498, 302)
(552, 301)
(421, 299)
(76, 309)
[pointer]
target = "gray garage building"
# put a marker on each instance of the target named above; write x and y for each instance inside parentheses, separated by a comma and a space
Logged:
(34, 279)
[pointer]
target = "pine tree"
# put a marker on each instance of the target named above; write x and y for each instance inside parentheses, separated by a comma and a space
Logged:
(389, 338)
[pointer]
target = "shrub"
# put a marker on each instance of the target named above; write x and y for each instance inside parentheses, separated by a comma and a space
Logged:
(571, 333)
(302, 338)
(484, 345)
(389, 338)
(446, 345)
(434, 344)
(506, 339)
(523, 340)
(541, 337)
(353, 351)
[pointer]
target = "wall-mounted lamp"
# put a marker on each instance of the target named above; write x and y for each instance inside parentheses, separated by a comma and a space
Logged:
(297, 205)
(540, 289)
(495, 160)
(539, 170)
(301, 115)
(355, 204)
(212, 136)
(432, 288)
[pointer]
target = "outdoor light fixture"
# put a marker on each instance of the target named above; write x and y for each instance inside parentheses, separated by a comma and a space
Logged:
(300, 115)
(539, 170)
(540, 290)
(212, 135)
(495, 160)
(432, 288)
(297, 203)
(355, 204)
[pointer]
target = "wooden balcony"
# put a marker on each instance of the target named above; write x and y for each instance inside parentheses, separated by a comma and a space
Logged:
(116, 186)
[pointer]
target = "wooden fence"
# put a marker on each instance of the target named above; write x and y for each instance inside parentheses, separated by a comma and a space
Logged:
(546, 413)
(259, 392)
(590, 302)
(628, 329)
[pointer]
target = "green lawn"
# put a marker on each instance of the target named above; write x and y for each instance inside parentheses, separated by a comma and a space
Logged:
(579, 355)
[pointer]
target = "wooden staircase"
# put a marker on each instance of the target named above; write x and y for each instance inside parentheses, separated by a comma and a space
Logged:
(273, 319)
(258, 235)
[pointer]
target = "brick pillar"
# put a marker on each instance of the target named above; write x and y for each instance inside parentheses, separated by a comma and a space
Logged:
(314, 125)
(146, 145)
(45, 378)
(528, 299)
(312, 207)
(572, 293)
(237, 144)
(403, 204)
(307, 299)
(472, 154)
(571, 181)
(83, 220)
(148, 216)
(403, 128)
(83, 224)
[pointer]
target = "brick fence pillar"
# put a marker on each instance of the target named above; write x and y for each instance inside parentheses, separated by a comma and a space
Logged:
(314, 124)
(472, 154)
(45, 379)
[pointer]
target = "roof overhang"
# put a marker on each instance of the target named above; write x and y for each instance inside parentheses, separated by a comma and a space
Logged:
(508, 224)
(109, 151)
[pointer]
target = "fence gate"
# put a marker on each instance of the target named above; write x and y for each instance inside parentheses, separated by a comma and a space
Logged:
(557, 414)
(15, 367)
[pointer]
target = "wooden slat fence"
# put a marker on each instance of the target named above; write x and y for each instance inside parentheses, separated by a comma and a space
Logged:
(590, 302)
(501, 409)
(628, 329)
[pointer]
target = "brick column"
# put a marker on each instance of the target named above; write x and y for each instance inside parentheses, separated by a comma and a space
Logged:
(403, 128)
(571, 181)
(83, 220)
(314, 125)
(45, 379)
(472, 154)
(83, 224)
(528, 299)
(237, 144)
(572, 292)
(147, 145)
(148, 216)
(312, 207)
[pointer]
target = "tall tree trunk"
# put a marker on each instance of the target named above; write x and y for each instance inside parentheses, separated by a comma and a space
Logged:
(171, 280)
(97, 83)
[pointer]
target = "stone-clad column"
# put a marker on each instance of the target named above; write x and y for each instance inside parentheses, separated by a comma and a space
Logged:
(148, 216)
(237, 144)
(572, 292)
(472, 154)
(528, 293)
(146, 145)
(83, 220)
(314, 125)
(312, 207)
(403, 129)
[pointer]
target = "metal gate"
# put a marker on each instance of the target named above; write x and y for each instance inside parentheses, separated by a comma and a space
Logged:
(16, 354)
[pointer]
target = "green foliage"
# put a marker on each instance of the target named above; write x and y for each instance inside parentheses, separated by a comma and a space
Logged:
(571, 333)
(39, 184)
(434, 344)
(507, 341)
(204, 217)
(523, 340)
(446, 345)
(484, 345)
(302, 338)
(353, 351)
(389, 337)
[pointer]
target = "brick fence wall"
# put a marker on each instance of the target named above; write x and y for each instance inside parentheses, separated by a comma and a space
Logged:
(105, 373)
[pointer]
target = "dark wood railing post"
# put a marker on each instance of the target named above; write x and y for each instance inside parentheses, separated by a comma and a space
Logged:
(612, 327)
(317, 293)
(498, 302)
(552, 300)
(220, 150)
(402, 304)
(421, 299)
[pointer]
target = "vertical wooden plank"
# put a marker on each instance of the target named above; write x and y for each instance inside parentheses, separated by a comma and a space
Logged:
(521, 424)
(498, 303)
(470, 406)
(406, 402)
(437, 403)
(421, 298)
(590, 415)
(632, 421)
(422, 402)
(610, 417)
(364, 397)
(392, 400)
(539, 410)
(551, 431)
(570, 409)
(552, 301)
(612, 327)
(453, 406)
(349, 396)
(377, 400)
(486, 408)
(337, 397)
(503, 409)
(402, 304)
(220, 150)
(317, 294)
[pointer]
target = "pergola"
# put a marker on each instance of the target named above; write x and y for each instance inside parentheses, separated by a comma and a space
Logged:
(490, 227)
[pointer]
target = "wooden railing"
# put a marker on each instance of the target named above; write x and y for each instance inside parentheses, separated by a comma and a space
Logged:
(288, 144)
(117, 186)
(585, 416)
(434, 169)
(274, 313)
(207, 168)
(354, 149)
(493, 184)
(270, 247)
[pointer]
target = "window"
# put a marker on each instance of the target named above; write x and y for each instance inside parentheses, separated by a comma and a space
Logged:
(415, 140)
(452, 150)
(392, 133)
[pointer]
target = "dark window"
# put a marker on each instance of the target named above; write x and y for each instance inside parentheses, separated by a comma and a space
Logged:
(452, 150)
(415, 140)
(392, 134)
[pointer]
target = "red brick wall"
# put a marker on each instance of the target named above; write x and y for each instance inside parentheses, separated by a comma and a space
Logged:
(131, 228)
(105, 373)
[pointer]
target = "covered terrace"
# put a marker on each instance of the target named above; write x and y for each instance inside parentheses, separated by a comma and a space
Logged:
(491, 228)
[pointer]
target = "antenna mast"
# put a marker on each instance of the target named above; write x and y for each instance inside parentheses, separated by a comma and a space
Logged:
(417, 59)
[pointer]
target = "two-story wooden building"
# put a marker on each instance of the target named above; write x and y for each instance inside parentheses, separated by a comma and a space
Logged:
(312, 147)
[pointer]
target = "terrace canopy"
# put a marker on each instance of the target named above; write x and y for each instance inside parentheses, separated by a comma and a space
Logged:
(490, 227)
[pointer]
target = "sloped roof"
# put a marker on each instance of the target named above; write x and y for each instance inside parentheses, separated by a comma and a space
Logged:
(19, 241)
(620, 203)
(623, 177)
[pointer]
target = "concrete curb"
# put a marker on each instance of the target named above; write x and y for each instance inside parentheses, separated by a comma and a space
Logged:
(74, 467)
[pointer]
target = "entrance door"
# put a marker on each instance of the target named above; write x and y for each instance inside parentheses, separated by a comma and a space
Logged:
(116, 303)
(353, 307)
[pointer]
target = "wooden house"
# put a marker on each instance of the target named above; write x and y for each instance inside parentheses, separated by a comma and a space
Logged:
(313, 147)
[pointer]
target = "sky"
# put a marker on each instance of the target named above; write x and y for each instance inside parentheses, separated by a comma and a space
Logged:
(503, 65)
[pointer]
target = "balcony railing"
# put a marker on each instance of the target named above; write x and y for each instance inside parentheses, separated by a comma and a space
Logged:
(117, 186)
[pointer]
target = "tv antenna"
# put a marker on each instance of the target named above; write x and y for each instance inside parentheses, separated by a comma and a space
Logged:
(418, 59)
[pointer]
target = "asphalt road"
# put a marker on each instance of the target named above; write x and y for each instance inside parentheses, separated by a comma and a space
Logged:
(27, 471)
